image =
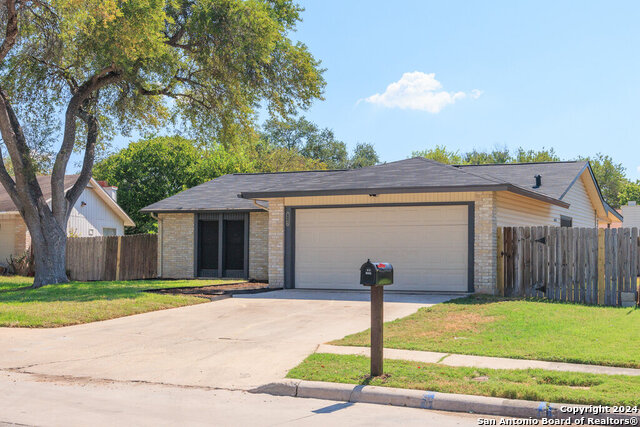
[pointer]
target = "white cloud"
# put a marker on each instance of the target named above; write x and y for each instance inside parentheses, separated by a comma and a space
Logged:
(638, 168)
(419, 91)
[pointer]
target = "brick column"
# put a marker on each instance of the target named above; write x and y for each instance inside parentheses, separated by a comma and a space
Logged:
(485, 264)
(276, 243)
(259, 245)
(178, 245)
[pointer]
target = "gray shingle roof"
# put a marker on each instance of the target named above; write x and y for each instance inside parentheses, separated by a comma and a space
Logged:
(556, 176)
(7, 205)
(415, 174)
(222, 193)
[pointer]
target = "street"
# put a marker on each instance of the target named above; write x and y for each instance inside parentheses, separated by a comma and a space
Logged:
(41, 400)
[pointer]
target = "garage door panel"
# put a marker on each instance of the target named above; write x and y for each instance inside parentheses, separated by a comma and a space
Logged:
(427, 245)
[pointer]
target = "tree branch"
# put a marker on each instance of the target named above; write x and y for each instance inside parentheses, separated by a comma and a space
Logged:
(87, 164)
(101, 79)
(25, 177)
(11, 33)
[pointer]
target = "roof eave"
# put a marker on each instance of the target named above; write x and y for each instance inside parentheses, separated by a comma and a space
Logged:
(204, 210)
(395, 190)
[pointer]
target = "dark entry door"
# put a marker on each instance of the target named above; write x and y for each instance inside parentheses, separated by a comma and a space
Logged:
(233, 248)
(208, 239)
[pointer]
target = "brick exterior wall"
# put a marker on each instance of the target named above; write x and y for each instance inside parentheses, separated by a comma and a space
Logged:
(485, 244)
(22, 237)
(266, 243)
(177, 248)
(276, 243)
(259, 245)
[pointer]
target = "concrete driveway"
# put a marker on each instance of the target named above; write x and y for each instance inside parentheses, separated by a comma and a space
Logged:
(236, 343)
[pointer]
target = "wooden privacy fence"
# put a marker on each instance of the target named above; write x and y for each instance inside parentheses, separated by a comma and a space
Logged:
(112, 258)
(586, 265)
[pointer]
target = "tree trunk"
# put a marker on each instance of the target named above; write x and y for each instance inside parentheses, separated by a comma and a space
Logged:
(49, 246)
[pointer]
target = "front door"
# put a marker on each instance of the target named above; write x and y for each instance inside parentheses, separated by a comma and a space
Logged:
(222, 245)
(233, 248)
(208, 238)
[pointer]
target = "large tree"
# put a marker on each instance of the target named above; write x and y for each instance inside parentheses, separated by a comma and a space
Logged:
(93, 66)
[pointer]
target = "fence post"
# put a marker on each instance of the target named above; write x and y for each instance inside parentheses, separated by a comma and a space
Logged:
(118, 258)
(601, 279)
(500, 264)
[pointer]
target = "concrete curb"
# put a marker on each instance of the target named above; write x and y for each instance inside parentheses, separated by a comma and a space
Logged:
(433, 400)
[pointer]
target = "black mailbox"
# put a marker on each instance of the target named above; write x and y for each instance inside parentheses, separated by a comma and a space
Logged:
(376, 273)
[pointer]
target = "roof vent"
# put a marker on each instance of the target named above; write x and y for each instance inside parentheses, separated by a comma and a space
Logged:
(538, 181)
(632, 202)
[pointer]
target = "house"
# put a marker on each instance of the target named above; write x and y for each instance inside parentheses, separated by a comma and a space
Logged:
(435, 223)
(631, 214)
(96, 213)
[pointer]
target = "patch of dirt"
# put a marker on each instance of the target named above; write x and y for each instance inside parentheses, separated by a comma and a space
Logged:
(481, 379)
(457, 324)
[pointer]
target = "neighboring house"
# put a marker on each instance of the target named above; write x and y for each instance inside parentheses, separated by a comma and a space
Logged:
(96, 213)
(435, 223)
(631, 214)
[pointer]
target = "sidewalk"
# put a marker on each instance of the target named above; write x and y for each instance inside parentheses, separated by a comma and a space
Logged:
(479, 361)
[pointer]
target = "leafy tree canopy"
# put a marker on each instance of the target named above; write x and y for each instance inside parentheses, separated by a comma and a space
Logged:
(364, 155)
(306, 138)
(440, 154)
(630, 192)
(477, 157)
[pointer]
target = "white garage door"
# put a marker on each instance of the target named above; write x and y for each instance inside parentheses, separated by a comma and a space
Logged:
(427, 245)
(7, 240)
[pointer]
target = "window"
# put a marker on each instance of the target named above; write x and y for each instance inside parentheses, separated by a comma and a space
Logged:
(108, 231)
(566, 221)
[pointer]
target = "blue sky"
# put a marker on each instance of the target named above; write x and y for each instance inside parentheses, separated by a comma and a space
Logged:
(515, 73)
(551, 74)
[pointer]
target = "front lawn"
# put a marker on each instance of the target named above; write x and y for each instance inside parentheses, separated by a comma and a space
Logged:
(529, 384)
(83, 302)
(520, 329)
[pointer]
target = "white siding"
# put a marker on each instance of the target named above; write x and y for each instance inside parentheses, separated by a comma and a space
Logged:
(89, 220)
(514, 210)
(631, 216)
(7, 239)
(582, 209)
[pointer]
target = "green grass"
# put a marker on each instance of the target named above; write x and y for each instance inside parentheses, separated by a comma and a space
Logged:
(529, 384)
(520, 329)
(83, 302)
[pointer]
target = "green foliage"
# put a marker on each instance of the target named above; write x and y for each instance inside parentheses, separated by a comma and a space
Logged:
(205, 65)
(630, 192)
(528, 156)
(478, 157)
(498, 155)
(440, 154)
(611, 177)
(364, 155)
(306, 138)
